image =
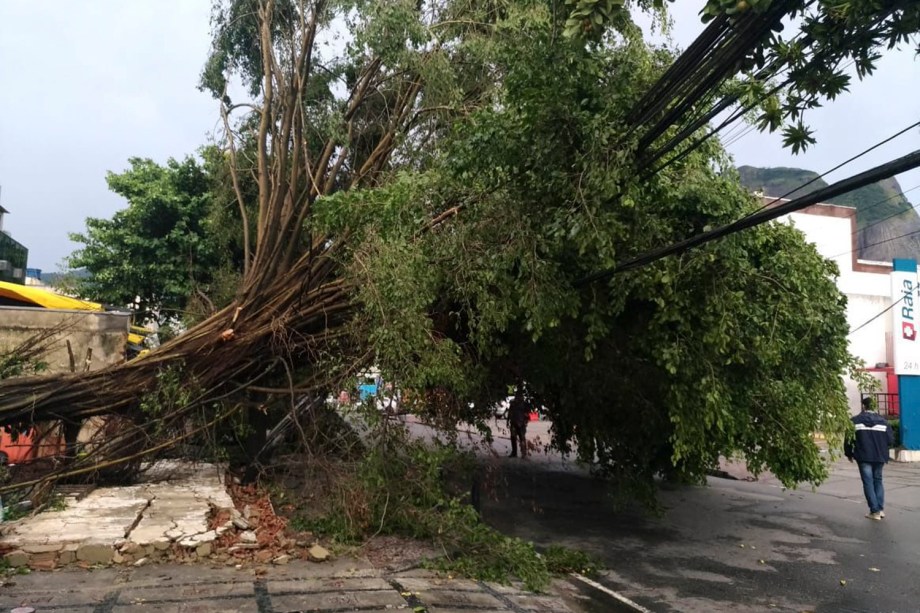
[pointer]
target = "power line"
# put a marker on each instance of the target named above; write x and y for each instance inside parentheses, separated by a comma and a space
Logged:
(841, 165)
(887, 217)
(880, 313)
(902, 164)
(881, 242)
(775, 69)
(712, 58)
(884, 219)
(729, 142)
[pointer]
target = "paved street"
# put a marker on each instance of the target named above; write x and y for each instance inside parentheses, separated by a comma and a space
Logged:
(734, 545)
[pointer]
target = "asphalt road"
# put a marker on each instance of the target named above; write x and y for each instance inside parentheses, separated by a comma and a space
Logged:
(731, 546)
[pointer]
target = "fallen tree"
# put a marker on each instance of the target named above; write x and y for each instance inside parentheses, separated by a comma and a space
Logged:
(429, 197)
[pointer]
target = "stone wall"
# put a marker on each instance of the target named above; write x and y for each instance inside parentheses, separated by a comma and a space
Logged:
(104, 333)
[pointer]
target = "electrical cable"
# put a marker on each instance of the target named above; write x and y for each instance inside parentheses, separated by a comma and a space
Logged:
(884, 171)
(713, 56)
(881, 242)
(913, 207)
(879, 314)
(841, 165)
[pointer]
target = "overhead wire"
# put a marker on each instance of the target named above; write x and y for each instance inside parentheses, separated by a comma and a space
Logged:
(712, 58)
(884, 171)
(879, 314)
(913, 207)
(841, 165)
(877, 243)
(862, 210)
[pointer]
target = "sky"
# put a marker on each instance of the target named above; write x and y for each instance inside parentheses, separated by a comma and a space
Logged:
(86, 85)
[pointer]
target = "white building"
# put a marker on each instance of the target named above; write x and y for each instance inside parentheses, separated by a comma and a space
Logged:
(866, 284)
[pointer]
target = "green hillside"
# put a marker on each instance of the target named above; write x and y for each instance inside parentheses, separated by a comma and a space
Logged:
(873, 203)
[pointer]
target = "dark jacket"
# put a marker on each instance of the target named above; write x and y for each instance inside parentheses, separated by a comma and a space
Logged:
(518, 412)
(872, 439)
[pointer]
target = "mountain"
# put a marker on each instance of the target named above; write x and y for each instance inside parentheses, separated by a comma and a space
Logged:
(885, 218)
(64, 281)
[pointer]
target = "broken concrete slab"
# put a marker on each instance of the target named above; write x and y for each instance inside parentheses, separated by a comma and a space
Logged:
(144, 519)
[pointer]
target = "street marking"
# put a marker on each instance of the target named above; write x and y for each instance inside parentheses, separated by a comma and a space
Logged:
(638, 607)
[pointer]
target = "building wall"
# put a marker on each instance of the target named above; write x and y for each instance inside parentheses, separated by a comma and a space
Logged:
(867, 285)
(104, 333)
(13, 259)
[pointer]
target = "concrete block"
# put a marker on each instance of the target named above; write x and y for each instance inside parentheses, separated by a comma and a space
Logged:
(161, 544)
(95, 554)
(17, 558)
(240, 523)
(42, 548)
(130, 548)
(194, 541)
(221, 530)
(299, 586)
(348, 601)
(47, 560)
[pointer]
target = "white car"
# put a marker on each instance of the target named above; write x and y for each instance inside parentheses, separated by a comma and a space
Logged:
(388, 404)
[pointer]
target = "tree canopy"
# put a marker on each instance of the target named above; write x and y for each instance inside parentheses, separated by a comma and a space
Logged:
(159, 251)
(734, 348)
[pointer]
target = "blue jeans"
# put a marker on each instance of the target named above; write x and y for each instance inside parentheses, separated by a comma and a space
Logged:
(871, 473)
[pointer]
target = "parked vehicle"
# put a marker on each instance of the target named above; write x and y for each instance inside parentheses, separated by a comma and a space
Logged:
(28, 446)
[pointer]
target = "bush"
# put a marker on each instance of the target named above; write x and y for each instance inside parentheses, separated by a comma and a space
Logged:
(420, 490)
(896, 427)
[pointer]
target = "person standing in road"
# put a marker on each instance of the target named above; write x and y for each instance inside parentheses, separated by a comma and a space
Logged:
(518, 417)
(869, 447)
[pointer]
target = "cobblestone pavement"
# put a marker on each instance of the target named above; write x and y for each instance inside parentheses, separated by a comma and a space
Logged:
(320, 588)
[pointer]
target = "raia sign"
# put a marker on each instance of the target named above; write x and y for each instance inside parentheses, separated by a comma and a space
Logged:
(906, 325)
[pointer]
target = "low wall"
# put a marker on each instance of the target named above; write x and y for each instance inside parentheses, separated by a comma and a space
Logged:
(104, 333)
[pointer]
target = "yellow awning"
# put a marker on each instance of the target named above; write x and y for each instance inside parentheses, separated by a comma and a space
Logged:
(44, 298)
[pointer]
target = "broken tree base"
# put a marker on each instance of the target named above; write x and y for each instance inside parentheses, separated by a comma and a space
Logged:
(124, 525)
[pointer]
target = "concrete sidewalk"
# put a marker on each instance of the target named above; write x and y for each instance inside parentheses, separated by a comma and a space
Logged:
(123, 524)
(902, 482)
(340, 586)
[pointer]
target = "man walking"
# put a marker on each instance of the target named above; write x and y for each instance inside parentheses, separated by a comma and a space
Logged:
(518, 416)
(869, 447)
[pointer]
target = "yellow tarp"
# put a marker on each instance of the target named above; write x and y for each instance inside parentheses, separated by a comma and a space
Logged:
(44, 298)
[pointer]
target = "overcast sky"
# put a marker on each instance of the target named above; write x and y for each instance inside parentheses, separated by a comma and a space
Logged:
(86, 85)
